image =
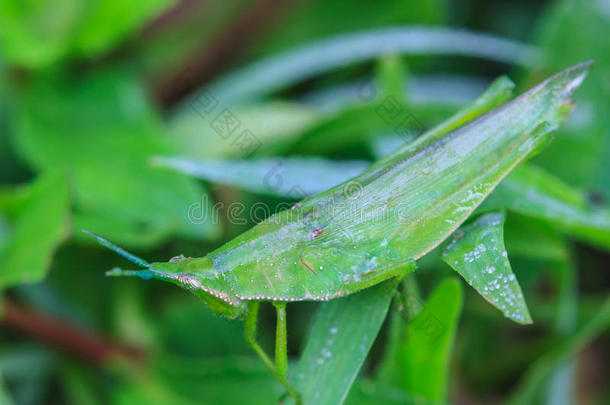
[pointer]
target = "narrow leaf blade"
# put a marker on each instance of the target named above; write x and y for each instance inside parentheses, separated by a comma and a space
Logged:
(533, 192)
(286, 177)
(290, 67)
(341, 337)
(427, 350)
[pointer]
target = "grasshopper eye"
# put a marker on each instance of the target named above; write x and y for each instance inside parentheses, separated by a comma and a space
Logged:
(176, 259)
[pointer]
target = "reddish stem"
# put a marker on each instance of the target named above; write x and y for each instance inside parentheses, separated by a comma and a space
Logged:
(62, 335)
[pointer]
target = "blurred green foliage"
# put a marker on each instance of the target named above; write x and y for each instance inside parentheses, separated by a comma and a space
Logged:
(37, 34)
(82, 114)
(102, 129)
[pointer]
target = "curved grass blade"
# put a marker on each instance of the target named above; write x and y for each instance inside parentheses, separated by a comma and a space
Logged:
(535, 193)
(426, 352)
(427, 90)
(476, 251)
(342, 334)
(290, 67)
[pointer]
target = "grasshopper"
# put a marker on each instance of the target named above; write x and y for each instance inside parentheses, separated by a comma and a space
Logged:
(374, 226)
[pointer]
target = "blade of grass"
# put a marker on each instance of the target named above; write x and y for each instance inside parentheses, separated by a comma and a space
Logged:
(290, 67)
(426, 90)
(560, 387)
(535, 193)
(341, 337)
(406, 307)
(275, 177)
(427, 349)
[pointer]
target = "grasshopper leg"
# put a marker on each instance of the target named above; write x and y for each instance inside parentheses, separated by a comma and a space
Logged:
(280, 368)
(250, 332)
(281, 351)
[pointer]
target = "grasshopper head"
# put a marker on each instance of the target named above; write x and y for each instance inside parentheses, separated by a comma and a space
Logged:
(194, 274)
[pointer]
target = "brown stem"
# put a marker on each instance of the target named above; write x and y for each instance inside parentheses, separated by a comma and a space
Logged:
(212, 56)
(173, 15)
(62, 335)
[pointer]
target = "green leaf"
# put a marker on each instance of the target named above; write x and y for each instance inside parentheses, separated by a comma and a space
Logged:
(476, 251)
(293, 177)
(341, 336)
(535, 193)
(102, 130)
(200, 133)
(560, 352)
(297, 64)
(426, 351)
(36, 34)
(39, 226)
(96, 35)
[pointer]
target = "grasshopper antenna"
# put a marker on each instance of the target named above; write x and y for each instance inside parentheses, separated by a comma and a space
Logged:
(143, 274)
(132, 258)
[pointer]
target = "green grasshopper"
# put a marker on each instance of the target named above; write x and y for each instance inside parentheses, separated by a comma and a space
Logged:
(374, 226)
